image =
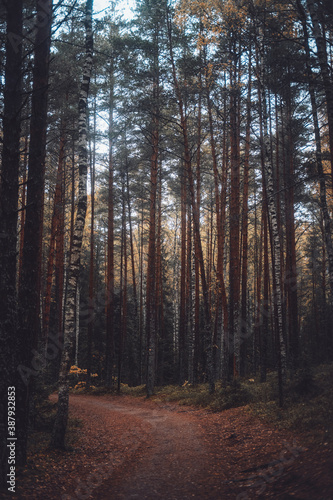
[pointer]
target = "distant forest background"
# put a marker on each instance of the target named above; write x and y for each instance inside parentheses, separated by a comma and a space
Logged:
(165, 195)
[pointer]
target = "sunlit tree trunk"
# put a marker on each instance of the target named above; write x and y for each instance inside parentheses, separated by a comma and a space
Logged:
(221, 298)
(54, 229)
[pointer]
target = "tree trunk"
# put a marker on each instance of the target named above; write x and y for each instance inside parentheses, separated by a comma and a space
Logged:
(30, 279)
(244, 320)
(234, 269)
(196, 221)
(54, 229)
(123, 286)
(59, 429)
(159, 283)
(110, 248)
(135, 348)
(151, 266)
(182, 304)
(290, 266)
(268, 180)
(8, 220)
(91, 300)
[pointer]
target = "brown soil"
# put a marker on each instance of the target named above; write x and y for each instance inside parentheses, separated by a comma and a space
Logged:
(132, 448)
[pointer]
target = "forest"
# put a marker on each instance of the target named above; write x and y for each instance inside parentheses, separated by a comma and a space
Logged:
(165, 198)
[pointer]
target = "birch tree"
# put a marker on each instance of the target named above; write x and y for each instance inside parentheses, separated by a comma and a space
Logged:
(273, 225)
(59, 429)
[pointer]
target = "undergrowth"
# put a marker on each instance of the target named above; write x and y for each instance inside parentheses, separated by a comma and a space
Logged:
(308, 404)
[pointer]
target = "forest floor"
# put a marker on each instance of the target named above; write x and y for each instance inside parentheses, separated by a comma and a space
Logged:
(133, 448)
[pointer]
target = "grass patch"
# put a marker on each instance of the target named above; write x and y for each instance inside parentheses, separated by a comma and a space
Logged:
(308, 407)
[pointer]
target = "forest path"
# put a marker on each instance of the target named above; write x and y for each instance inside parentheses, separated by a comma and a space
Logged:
(133, 448)
(167, 458)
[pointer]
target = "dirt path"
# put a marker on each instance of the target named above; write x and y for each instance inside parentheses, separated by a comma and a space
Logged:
(137, 449)
(171, 460)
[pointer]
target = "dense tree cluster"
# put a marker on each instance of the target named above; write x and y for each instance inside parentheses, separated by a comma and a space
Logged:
(165, 193)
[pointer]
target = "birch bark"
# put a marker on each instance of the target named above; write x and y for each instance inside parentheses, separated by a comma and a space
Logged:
(59, 429)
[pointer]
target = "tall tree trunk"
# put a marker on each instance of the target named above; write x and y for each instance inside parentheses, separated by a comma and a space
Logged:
(275, 236)
(182, 303)
(123, 286)
(196, 221)
(54, 229)
(265, 309)
(234, 269)
(60, 260)
(30, 279)
(225, 344)
(59, 429)
(23, 203)
(151, 268)
(135, 360)
(91, 301)
(290, 268)
(245, 208)
(141, 301)
(159, 281)
(221, 289)
(193, 376)
(151, 265)
(110, 246)
(9, 343)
